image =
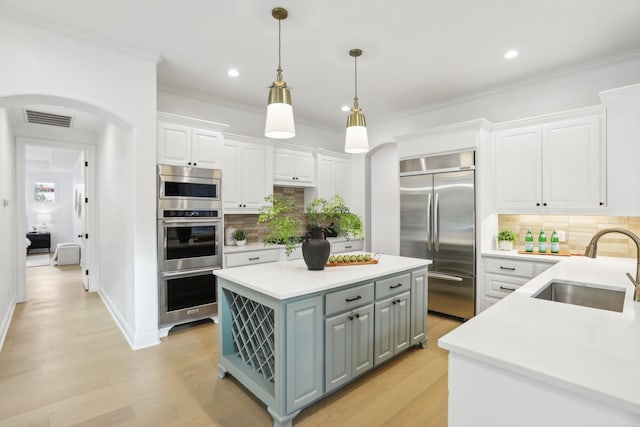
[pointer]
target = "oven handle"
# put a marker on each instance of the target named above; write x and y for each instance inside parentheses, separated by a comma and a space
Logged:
(189, 272)
(195, 220)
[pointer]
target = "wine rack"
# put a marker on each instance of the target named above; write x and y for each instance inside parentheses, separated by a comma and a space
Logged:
(253, 334)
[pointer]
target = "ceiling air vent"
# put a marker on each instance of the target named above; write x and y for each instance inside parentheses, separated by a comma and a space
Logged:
(40, 118)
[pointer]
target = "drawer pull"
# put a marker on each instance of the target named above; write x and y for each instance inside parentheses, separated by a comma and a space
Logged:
(353, 299)
(507, 289)
(348, 247)
(395, 286)
(255, 258)
(508, 268)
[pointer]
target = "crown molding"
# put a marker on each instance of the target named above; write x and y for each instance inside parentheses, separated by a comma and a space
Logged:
(82, 36)
(567, 71)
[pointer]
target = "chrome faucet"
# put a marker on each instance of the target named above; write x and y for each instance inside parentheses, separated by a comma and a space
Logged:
(592, 248)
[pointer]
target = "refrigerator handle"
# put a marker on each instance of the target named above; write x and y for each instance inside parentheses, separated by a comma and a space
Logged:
(429, 221)
(436, 223)
(444, 276)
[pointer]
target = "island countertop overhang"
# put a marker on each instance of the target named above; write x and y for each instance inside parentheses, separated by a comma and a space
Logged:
(289, 279)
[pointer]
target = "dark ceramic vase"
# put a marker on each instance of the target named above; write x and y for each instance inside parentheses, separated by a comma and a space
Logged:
(315, 251)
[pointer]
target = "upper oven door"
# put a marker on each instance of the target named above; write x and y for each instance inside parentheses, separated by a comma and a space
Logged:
(189, 243)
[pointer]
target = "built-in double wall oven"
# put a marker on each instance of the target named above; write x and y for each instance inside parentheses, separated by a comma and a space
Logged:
(189, 242)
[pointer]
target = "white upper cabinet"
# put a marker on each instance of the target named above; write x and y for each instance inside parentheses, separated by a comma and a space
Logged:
(246, 176)
(184, 141)
(293, 167)
(333, 177)
(557, 166)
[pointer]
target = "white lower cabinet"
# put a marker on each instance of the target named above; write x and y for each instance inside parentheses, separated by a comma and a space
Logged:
(346, 246)
(237, 259)
(503, 275)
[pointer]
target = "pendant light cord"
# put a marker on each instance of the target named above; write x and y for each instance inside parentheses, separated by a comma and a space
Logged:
(279, 75)
(355, 98)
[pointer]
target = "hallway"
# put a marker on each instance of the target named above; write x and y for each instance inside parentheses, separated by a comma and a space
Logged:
(65, 363)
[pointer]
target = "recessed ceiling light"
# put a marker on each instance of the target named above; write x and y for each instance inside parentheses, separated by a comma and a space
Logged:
(511, 54)
(346, 108)
(233, 72)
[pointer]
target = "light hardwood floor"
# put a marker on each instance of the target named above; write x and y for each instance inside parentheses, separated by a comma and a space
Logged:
(66, 363)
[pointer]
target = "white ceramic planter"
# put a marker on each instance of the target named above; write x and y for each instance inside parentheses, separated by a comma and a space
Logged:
(505, 245)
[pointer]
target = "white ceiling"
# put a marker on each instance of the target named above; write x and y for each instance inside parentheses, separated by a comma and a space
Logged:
(417, 53)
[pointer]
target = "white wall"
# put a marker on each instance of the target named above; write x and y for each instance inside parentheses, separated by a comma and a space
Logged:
(246, 121)
(7, 242)
(119, 87)
(115, 244)
(60, 212)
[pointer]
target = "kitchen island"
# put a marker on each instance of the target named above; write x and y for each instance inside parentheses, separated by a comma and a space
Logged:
(291, 336)
(533, 362)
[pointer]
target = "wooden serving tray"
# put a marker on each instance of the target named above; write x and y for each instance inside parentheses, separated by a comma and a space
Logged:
(545, 253)
(374, 260)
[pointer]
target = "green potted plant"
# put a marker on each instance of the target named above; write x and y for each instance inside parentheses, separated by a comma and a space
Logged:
(285, 221)
(240, 236)
(506, 239)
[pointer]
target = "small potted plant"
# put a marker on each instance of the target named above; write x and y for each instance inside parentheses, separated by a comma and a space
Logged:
(240, 236)
(506, 239)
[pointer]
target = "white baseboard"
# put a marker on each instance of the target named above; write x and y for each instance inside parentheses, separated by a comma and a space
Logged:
(6, 322)
(149, 340)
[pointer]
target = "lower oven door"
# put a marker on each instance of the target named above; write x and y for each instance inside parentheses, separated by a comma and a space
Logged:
(187, 244)
(186, 295)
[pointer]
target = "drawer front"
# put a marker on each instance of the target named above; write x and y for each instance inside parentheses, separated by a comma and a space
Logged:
(393, 285)
(348, 299)
(348, 246)
(499, 286)
(250, 257)
(509, 267)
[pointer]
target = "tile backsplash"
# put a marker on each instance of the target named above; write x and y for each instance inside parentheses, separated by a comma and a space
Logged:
(249, 222)
(578, 231)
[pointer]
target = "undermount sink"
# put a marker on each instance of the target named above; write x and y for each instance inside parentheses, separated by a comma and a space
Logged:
(585, 294)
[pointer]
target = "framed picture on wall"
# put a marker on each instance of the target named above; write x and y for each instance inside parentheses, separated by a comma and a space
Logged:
(44, 192)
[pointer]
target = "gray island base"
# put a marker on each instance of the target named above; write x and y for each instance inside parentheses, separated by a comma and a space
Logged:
(291, 336)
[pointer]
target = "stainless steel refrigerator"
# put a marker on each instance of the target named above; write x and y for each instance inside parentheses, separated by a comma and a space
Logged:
(437, 222)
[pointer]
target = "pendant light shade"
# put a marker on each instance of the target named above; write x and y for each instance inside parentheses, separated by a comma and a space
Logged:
(279, 123)
(356, 140)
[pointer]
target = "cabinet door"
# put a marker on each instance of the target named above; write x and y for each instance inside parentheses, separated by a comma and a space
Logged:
(571, 168)
(304, 348)
(232, 175)
(253, 173)
(326, 186)
(303, 168)
(205, 149)
(342, 180)
(362, 340)
(174, 144)
(338, 339)
(383, 330)
(283, 165)
(418, 306)
(518, 168)
(401, 322)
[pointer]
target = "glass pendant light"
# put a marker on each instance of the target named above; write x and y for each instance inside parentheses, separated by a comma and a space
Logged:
(356, 140)
(279, 123)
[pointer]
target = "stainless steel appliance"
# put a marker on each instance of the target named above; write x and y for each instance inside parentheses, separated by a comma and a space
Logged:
(188, 188)
(189, 225)
(437, 222)
(187, 295)
(189, 239)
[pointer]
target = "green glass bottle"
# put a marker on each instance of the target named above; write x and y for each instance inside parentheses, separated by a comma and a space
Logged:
(528, 241)
(555, 242)
(542, 242)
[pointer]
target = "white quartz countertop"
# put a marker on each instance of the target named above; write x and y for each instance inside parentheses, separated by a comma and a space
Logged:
(289, 279)
(529, 257)
(591, 352)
